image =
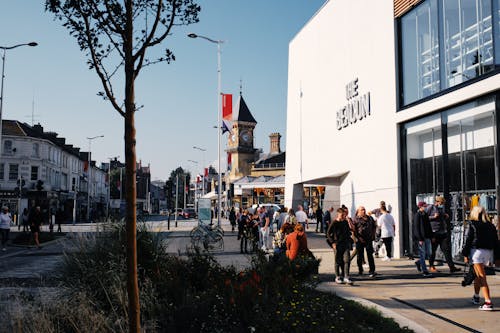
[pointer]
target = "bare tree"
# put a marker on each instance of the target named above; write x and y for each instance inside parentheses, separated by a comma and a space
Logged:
(107, 31)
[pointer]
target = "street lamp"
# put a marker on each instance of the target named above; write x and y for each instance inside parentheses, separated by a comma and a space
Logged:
(219, 43)
(89, 183)
(203, 169)
(109, 183)
(5, 48)
(195, 186)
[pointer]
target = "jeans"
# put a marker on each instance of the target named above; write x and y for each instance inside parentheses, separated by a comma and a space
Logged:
(5, 236)
(388, 246)
(360, 247)
(424, 250)
(342, 260)
(264, 237)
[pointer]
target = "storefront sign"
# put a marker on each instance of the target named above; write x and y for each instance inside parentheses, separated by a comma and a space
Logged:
(357, 107)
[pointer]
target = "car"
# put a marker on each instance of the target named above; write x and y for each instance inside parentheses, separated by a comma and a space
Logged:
(189, 213)
(270, 207)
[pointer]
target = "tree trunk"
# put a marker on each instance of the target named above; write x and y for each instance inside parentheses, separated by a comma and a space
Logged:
(130, 172)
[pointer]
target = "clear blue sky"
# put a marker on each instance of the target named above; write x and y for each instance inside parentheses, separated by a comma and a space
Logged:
(180, 99)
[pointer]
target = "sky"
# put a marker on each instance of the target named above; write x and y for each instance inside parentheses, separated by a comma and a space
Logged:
(52, 85)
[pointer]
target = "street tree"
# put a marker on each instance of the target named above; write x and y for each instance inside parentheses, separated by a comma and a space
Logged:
(184, 176)
(116, 36)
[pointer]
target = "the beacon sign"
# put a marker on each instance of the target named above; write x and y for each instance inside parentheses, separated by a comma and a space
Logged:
(357, 107)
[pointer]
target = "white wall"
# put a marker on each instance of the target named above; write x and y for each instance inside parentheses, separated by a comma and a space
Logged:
(346, 39)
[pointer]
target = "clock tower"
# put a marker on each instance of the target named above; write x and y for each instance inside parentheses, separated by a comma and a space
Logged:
(240, 142)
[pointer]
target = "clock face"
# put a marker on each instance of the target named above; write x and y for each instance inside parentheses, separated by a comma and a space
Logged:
(245, 136)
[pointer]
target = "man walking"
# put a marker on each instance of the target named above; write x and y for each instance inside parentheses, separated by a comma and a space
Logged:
(319, 220)
(327, 218)
(302, 217)
(364, 229)
(438, 220)
(264, 221)
(422, 234)
(339, 235)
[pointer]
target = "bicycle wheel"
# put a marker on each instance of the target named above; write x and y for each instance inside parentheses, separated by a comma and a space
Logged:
(213, 242)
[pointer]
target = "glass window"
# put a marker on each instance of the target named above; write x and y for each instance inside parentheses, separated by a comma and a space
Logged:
(36, 150)
(2, 166)
(34, 172)
(420, 52)
(467, 40)
(7, 147)
(13, 171)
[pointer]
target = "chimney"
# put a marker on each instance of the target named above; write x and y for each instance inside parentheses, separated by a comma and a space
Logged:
(275, 143)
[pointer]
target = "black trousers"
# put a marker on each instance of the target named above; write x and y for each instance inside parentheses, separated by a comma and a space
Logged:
(388, 245)
(5, 236)
(342, 260)
(360, 249)
(443, 242)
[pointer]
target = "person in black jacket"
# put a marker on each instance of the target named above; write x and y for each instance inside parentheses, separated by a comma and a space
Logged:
(327, 218)
(319, 219)
(422, 234)
(364, 229)
(339, 235)
(478, 249)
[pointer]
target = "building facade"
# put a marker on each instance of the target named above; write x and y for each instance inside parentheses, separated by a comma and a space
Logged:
(397, 101)
(39, 168)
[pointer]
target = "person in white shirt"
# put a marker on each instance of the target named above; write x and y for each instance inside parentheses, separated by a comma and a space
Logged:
(302, 217)
(388, 231)
(5, 221)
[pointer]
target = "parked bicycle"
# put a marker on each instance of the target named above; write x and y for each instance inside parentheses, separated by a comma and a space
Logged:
(207, 237)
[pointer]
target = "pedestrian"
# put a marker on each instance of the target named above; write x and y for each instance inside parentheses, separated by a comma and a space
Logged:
(36, 221)
(310, 212)
(339, 236)
(282, 217)
(422, 234)
(440, 236)
(319, 219)
(364, 228)
(327, 218)
(264, 221)
(302, 217)
(291, 218)
(232, 218)
(478, 249)
(5, 222)
(387, 231)
(296, 243)
(59, 219)
(275, 220)
(279, 239)
(25, 219)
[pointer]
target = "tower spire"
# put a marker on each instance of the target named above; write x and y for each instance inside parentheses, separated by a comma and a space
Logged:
(241, 87)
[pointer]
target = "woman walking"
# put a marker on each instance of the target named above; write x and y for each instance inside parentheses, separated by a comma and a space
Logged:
(5, 221)
(387, 231)
(478, 250)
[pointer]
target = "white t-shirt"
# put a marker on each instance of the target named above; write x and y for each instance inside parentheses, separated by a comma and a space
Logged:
(5, 220)
(386, 224)
(301, 216)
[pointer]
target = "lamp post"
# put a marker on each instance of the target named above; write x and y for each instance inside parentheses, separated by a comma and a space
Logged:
(195, 186)
(109, 184)
(219, 182)
(89, 183)
(5, 48)
(203, 169)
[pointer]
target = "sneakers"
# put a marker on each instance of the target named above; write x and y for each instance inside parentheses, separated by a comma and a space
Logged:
(433, 269)
(475, 300)
(372, 274)
(347, 281)
(486, 307)
(386, 258)
(417, 263)
(455, 269)
(426, 274)
(338, 280)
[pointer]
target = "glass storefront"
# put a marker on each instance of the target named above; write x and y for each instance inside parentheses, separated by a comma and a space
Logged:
(445, 43)
(452, 154)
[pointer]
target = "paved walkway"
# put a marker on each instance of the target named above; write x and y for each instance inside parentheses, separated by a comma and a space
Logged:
(437, 304)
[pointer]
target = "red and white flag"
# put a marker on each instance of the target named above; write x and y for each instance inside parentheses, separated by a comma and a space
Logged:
(227, 113)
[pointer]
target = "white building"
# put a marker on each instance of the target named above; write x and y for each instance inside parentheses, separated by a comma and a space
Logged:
(50, 172)
(396, 101)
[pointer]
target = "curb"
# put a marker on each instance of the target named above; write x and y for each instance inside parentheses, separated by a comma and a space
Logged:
(402, 321)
